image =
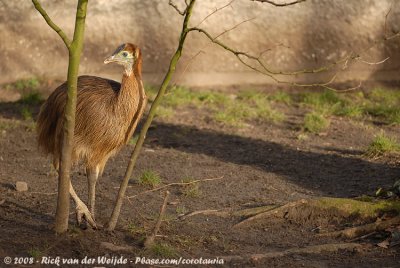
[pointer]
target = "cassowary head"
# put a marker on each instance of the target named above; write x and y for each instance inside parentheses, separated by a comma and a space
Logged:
(128, 55)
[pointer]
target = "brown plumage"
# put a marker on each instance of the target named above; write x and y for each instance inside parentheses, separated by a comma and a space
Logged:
(107, 114)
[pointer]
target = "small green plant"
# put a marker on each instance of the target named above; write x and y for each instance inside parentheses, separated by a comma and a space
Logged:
(31, 98)
(190, 190)
(249, 105)
(134, 229)
(23, 84)
(165, 112)
(149, 178)
(26, 113)
(35, 253)
(315, 122)
(7, 124)
(350, 110)
(381, 145)
(281, 96)
(163, 250)
(326, 102)
(181, 210)
(212, 99)
(179, 96)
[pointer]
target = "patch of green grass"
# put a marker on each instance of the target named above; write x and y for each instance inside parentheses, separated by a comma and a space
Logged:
(7, 124)
(149, 178)
(281, 96)
(164, 111)
(381, 145)
(325, 101)
(388, 113)
(23, 84)
(179, 96)
(384, 104)
(315, 122)
(388, 97)
(134, 229)
(353, 111)
(329, 102)
(26, 113)
(233, 114)
(163, 250)
(249, 105)
(251, 95)
(35, 253)
(31, 98)
(181, 210)
(191, 190)
(211, 98)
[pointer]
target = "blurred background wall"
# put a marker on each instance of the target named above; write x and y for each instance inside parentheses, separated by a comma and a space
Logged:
(311, 34)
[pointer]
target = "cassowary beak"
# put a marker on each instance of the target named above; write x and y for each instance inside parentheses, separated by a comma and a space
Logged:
(110, 59)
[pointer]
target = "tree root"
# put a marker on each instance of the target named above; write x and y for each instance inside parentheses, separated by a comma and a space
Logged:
(358, 231)
(317, 249)
(281, 210)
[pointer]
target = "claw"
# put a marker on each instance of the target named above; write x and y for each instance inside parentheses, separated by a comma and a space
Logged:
(82, 212)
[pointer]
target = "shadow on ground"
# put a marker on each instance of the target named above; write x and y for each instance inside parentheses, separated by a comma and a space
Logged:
(332, 174)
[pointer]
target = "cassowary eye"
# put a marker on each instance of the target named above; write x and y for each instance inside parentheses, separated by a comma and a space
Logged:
(124, 54)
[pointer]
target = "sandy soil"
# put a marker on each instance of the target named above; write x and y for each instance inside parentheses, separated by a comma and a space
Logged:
(261, 163)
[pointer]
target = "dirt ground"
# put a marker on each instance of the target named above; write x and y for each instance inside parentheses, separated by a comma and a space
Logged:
(260, 164)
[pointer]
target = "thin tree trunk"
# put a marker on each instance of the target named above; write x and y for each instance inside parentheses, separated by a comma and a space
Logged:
(124, 184)
(75, 51)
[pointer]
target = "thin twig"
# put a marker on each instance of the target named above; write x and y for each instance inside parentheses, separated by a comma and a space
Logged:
(373, 63)
(215, 11)
(280, 4)
(203, 212)
(272, 74)
(43, 193)
(150, 239)
(386, 19)
(363, 237)
(57, 29)
(182, 13)
(172, 184)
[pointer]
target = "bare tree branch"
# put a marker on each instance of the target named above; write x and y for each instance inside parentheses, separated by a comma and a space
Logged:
(386, 19)
(181, 12)
(215, 11)
(279, 4)
(266, 71)
(57, 29)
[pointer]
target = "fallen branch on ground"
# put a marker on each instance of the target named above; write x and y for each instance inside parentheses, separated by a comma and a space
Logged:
(306, 250)
(274, 211)
(358, 231)
(229, 212)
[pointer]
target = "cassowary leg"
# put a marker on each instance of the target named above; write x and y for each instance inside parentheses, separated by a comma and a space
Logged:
(81, 209)
(92, 175)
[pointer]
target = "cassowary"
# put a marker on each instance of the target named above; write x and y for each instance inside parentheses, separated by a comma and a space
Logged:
(107, 114)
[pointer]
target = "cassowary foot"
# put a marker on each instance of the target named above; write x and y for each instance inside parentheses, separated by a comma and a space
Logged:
(83, 213)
